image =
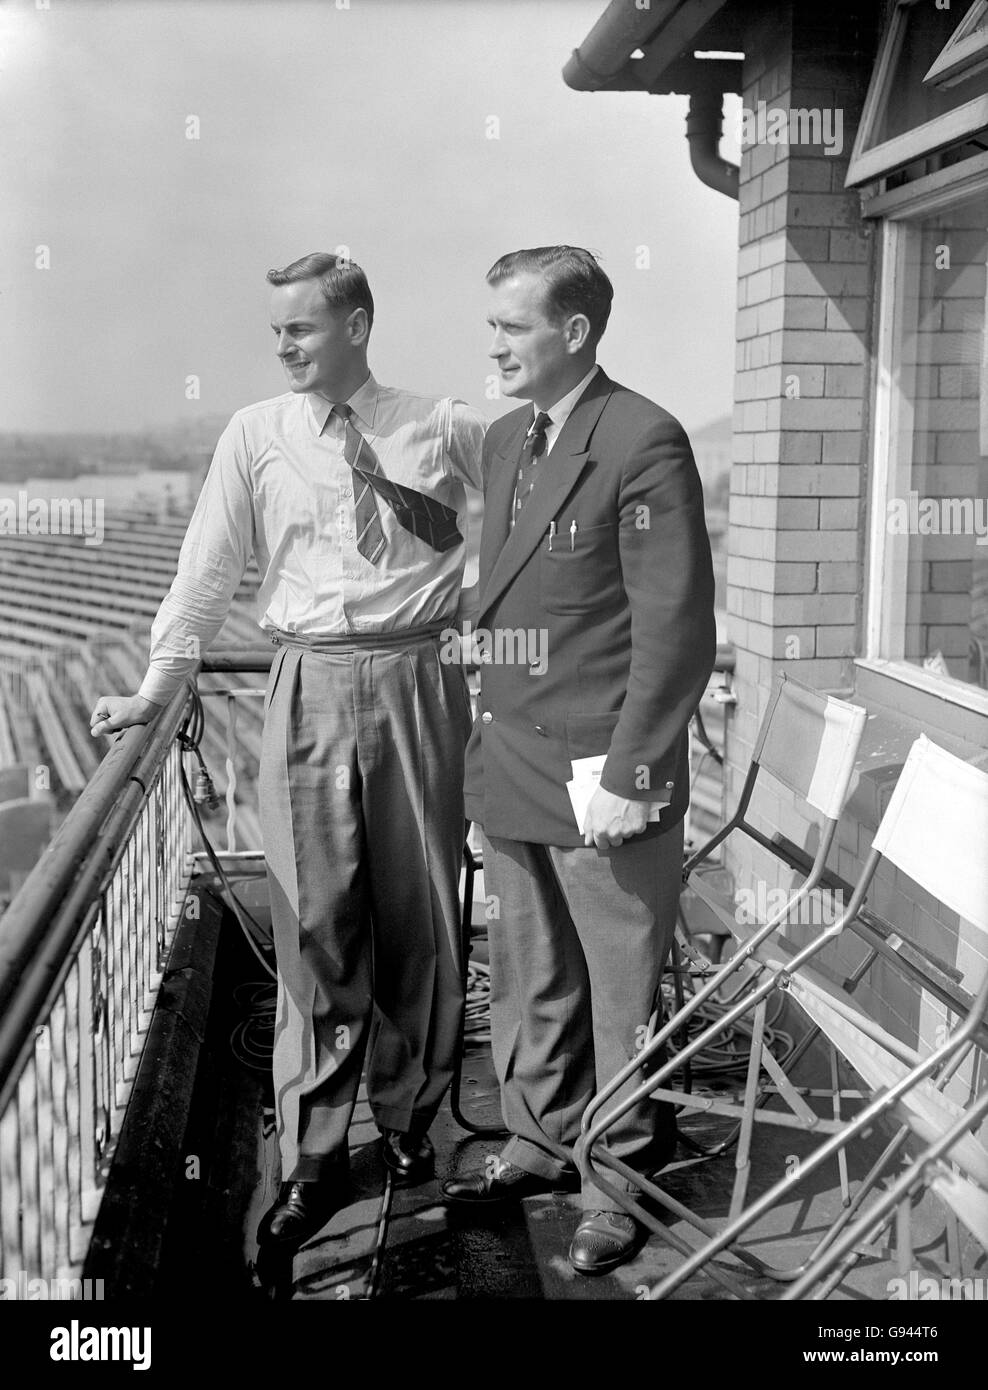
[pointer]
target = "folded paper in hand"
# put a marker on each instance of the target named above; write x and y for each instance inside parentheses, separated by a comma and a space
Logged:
(586, 780)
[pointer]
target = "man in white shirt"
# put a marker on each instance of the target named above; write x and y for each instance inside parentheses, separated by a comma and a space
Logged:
(350, 495)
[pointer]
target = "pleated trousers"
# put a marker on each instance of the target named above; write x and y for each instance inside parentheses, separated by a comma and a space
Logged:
(577, 949)
(361, 799)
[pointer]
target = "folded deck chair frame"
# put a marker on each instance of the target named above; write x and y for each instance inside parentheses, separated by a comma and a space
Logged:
(955, 1142)
(951, 1186)
(935, 831)
(808, 741)
(945, 848)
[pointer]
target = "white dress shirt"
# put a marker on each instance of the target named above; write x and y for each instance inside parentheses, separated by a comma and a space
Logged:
(280, 488)
(563, 409)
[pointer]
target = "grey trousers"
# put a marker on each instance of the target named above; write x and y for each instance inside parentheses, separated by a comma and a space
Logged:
(361, 797)
(578, 940)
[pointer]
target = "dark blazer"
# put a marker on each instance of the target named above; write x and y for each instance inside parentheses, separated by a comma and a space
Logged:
(626, 613)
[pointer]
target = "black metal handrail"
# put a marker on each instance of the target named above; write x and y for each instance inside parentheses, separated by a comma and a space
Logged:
(40, 929)
(232, 659)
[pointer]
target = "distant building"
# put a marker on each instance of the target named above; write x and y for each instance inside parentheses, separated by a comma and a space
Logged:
(712, 451)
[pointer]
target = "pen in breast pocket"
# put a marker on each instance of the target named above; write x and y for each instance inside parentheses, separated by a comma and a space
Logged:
(572, 534)
(552, 532)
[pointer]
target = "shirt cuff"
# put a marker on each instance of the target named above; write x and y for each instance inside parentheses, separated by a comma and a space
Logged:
(158, 687)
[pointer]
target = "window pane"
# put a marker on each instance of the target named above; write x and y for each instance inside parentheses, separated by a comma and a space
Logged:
(936, 590)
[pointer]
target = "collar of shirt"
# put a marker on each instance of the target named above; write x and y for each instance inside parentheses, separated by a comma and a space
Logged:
(563, 409)
(363, 404)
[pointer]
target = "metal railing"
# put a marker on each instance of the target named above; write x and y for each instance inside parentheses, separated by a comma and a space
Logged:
(83, 946)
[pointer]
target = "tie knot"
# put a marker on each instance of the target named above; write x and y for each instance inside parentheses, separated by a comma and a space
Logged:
(343, 411)
(540, 424)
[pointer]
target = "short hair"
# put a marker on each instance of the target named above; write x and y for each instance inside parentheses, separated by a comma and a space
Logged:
(341, 280)
(574, 282)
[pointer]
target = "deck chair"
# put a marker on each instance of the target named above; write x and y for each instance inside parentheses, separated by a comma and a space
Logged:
(808, 741)
(935, 831)
(953, 1164)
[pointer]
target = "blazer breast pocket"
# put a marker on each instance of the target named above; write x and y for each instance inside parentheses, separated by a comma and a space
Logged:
(582, 571)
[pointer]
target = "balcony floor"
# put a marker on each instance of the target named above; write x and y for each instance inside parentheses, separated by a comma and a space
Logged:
(431, 1251)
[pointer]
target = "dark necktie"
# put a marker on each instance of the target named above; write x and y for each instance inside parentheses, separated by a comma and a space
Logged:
(431, 521)
(532, 450)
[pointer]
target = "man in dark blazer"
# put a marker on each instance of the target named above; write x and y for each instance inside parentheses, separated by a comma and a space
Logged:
(595, 557)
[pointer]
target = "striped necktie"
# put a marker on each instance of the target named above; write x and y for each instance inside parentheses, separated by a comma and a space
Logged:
(532, 450)
(370, 531)
(425, 517)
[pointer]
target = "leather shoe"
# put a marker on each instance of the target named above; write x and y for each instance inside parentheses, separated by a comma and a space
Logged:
(603, 1240)
(410, 1158)
(510, 1183)
(302, 1209)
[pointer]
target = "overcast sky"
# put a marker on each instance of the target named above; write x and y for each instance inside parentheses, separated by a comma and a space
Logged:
(320, 127)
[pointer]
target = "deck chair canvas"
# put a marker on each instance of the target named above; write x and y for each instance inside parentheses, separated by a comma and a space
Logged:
(936, 831)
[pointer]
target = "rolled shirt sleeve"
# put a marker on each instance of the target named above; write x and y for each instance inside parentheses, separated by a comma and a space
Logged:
(215, 552)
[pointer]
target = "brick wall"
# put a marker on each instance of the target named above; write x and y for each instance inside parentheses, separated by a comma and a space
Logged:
(807, 291)
(805, 272)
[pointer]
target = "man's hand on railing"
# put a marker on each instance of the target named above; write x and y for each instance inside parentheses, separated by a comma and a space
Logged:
(115, 712)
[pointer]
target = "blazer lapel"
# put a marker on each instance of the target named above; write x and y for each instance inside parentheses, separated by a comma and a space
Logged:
(510, 550)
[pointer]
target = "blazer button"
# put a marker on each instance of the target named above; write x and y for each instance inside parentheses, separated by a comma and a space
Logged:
(539, 730)
(487, 717)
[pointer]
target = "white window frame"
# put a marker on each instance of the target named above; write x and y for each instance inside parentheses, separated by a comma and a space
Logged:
(867, 164)
(966, 52)
(884, 595)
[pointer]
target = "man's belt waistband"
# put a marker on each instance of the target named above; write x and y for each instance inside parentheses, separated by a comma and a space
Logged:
(392, 640)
